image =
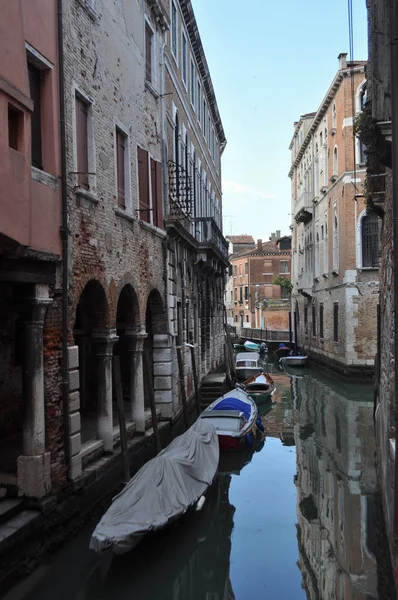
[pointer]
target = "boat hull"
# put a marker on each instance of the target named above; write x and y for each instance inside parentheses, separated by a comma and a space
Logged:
(294, 361)
(262, 397)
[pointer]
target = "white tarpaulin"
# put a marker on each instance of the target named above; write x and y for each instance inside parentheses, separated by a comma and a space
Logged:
(161, 491)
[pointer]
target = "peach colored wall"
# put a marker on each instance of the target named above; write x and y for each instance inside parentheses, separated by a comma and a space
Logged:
(30, 211)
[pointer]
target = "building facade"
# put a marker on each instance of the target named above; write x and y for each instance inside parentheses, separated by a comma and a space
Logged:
(259, 285)
(335, 236)
(31, 454)
(197, 252)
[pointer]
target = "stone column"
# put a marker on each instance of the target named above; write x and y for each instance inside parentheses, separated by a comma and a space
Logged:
(103, 349)
(137, 379)
(34, 472)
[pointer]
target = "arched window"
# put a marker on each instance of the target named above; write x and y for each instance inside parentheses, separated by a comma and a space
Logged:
(335, 243)
(368, 240)
(334, 116)
(335, 162)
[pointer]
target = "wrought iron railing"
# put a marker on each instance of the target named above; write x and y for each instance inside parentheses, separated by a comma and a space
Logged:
(207, 232)
(180, 191)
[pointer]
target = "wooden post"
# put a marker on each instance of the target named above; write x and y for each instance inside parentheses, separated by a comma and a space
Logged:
(151, 394)
(117, 382)
(195, 379)
(290, 330)
(182, 387)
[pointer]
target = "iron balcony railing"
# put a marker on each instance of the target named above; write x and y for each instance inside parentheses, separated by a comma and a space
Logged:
(208, 234)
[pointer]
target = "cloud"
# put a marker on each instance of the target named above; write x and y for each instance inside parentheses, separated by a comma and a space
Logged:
(233, 187)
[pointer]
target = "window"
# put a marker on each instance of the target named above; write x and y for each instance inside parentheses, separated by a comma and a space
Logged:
(184, 59)
(336, 322)
(236, 318)
(212, 143)
(199, 100)
(246, 292)
(246, 268)
(234, 270)
(35, 119)
(204, 117)
(313, 320)
(284, 266)
(321, 321)
(370, 240)
(174, 30)
(232, 296)
(335, 243)
(148, 53)
(236, 294)
(208, 130)
(241, 294)
(15, 127)
(247, 318)
(82, 113)
(305, 319)
(150, 188)
(121, 148)
(192, 84)
(335, 162)
(334, 116)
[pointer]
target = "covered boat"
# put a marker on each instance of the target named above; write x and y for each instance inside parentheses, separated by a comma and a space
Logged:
(294, 361)
(282, 350)
(163, 490)
(260, 387)
(235, 418)
(247, 364)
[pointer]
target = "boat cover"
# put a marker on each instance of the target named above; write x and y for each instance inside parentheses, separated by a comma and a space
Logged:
(231, 403)
(162, 490)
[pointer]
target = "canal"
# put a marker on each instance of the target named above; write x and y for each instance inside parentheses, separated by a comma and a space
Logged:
(291, 520)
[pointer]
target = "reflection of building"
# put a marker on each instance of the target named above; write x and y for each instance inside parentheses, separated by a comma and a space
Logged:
(335, 487)
(335, 240)
(258, 290)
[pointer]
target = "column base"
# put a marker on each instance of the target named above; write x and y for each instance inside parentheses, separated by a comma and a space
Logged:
(34, 475)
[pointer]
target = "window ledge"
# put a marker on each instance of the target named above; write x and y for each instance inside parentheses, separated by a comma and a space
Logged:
(149, 87)
(90, 10)
(86, 195)
(325, 275)
(153, 229)
(368, 268)
(124, 215)
(335, 272)
(44, 178)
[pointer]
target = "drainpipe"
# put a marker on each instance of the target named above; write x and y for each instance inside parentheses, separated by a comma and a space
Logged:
(64, 238)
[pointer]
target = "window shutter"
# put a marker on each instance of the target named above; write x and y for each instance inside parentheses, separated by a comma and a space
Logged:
(143, 184)
(159, 195)
(121, 174)
(35, 118)
(81, 143)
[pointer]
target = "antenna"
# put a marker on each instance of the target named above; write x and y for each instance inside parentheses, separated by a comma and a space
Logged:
(229, 221)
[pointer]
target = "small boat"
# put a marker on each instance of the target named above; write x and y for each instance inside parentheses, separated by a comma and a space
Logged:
(235, 418)
(282, 350)
(251, 346)
(162, 490)
(238, 346)
(247, 364)
(294, 361)
(260, 387)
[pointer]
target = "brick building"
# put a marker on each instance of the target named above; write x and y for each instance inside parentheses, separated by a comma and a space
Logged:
(335, 239)
(197, 252)
(31, 438)
(255, 299)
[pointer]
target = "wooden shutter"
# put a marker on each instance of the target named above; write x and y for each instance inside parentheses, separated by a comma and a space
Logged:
(120, 163)
(143, 184)
(35, 117)
(81, 143)
(148, 54)
(156, 187)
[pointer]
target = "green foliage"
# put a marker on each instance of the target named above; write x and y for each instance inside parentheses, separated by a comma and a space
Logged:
(284, 282)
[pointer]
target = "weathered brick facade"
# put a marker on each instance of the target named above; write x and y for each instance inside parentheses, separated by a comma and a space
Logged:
(335, 249)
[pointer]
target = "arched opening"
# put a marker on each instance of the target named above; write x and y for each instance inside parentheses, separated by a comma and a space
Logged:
(91, 319)
(157, 339)
(127, 326)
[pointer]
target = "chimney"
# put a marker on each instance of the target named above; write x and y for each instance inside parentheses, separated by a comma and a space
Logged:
(273, 237)
(342, 57)
(260, 245)
(278, 234)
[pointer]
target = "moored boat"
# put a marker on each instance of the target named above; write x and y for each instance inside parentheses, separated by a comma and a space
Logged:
(235, 418)
(162, 490)
(282, 350)
(251, 346)
(247, 364)
(294, 361)
(260, 387)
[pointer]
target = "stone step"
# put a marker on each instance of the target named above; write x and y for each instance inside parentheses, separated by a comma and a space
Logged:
(9, 507)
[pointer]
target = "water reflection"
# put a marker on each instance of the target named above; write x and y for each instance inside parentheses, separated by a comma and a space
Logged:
(335, 485)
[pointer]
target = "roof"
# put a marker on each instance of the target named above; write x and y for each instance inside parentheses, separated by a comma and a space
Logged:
(240, 239)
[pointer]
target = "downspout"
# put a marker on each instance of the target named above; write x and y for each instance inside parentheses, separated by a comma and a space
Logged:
(64, 238)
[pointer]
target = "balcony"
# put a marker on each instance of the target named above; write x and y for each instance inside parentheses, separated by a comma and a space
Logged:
(303, 209)
(210, 238)
(180, 203)
(304, 284)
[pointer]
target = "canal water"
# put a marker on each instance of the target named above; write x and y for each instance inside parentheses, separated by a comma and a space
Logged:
(290, 520)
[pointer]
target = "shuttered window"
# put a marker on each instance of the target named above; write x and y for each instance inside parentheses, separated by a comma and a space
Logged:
(143, 184)
(148, 54)
(121, 142)
(156, 190)
(35, 117)
(82, 109)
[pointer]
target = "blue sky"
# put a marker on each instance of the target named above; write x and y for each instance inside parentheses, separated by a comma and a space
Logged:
(270, 62)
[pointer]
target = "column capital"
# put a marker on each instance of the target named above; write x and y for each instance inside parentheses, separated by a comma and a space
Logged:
(103, 341)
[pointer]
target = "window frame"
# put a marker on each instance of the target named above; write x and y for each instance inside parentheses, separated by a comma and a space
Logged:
(78, 92)
(199, 100)
(281, 272)
(149, 29)
(360, 241)
(184, 59)
(122, 129)
(192, 86)
(174, 34)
